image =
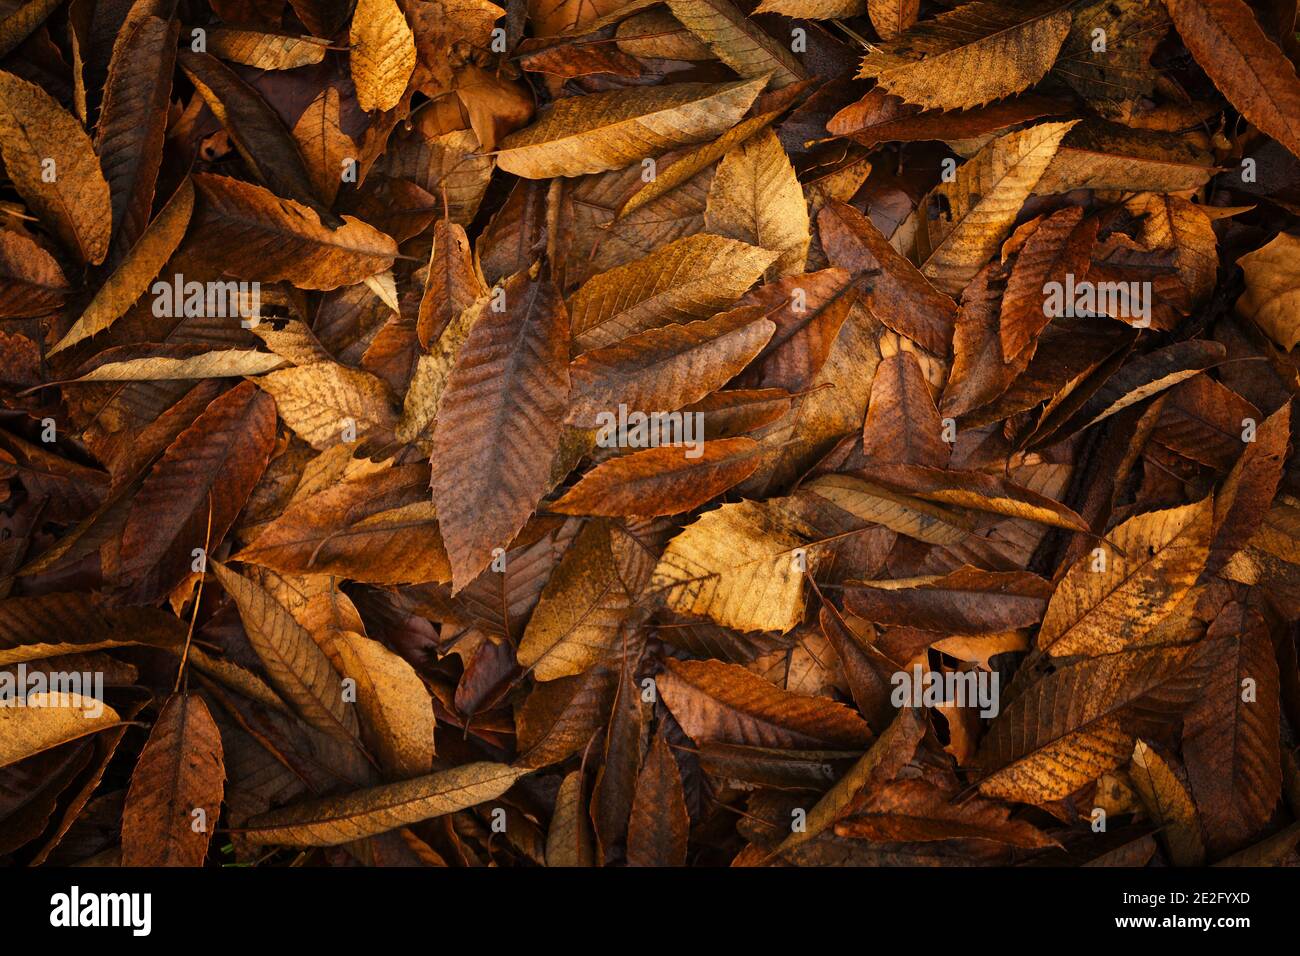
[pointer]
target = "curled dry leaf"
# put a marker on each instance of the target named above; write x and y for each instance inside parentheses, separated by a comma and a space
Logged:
(48, 720)
(51, 162)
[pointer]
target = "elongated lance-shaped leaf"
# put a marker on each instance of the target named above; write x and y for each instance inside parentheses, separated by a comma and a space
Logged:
(353, 816)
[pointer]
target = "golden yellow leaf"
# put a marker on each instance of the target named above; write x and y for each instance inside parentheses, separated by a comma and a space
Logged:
(141, 264)
(739, 42)
(568, 842)
(694, 160)
(324, 145)
(382, 53)
(1106, 602)
(396, 710)
(979, 52)
(295, 664)
(657, 33)
(1272, 296)
(591, 134)
(692, 278)
(892, 17)
(327, 403)
(756, 198)
(960, 225)
(354, 816)
(46, 720)
(220, 363)
(265, 51)
(1170, 806)
(50, 160)
(741, 565)
(814, 9)
(577, 619)
(914, 517)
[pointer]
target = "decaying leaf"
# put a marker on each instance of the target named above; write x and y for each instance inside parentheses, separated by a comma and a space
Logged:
(176, 788)
(650, 434)
(382, 50)
(50, 160)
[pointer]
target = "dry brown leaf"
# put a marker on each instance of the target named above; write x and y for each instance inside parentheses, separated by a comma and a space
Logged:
(141, 264)
(175, 796)
(47, 720)
(739, 42)
(663, 369)
(973, 214)
(756, 198)
(741, 565)
(979, 52)
(330, 821)
(692, 278)
(577, 619)
(714, 701)
(494, 440)
(590, 134)
(50, 160)
(1170, 805)
(394, 706)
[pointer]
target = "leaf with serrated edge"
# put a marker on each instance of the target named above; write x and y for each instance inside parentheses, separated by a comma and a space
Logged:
(756, 198)
(591, 134)
(296, 666)
(663, 369)
(257, 235)
(333, 820)
(714, 701)
(141, 264)
(738, 41)
(977, 209)
(979, 52)
(1150, 562)
(180, 771)
(692, 278)
(74, 203)
(499, 423)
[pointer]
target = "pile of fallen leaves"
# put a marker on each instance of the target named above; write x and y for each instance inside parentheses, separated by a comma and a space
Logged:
(585, 433)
